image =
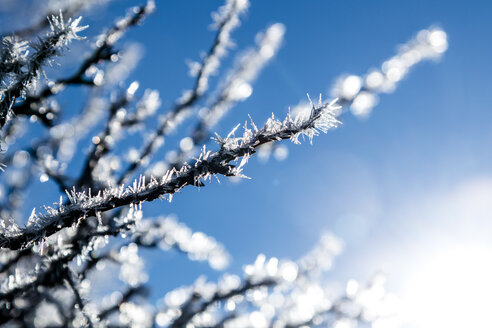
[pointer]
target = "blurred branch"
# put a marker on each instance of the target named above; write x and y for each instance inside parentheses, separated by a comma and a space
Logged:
(225, 24)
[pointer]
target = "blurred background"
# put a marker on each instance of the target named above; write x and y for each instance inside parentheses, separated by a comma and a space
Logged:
(408, 188)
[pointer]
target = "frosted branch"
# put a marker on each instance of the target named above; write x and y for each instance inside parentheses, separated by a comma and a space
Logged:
(361, 93)
(102, 52)
(168, 233)
(273, 293)
(68, 8)
(236, 87)
(84, 204)
(226, 20)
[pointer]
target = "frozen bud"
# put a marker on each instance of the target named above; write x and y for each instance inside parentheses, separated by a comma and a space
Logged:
(242, 4)
(438, 40)
(348, 87)
(352, 288)
(229, 282)
(133, 88)
(44, 177)
(363, 104)
(177, 297)
(288, 271)
(240, 90)
(280, 152)
(258, 320)
(194, 67)
(219, 259)
(273, 36)
(272, 266)
(133, 155)
(163, 319)
(394, 69)
(20, 158)
(345, 323)
(186, 144)
(149, 103)
(374, 80)
(98, 78)
(132, 268)
(136, 315)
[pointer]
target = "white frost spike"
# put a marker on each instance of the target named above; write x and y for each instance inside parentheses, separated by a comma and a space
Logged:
(68, 31)
(32, 217)
(310, 101)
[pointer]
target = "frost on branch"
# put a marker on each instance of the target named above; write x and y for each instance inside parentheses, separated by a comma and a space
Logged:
(276, 293)
(60, 35)
(237, 85)
(167, 233)
(361, 93)
(84, 204)
(226, 19)
(66, 31)
(13, 55)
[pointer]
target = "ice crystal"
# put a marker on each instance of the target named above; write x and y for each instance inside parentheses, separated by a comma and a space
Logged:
(67, 31)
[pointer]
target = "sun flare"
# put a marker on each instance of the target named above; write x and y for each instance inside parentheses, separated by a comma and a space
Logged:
(451, 288)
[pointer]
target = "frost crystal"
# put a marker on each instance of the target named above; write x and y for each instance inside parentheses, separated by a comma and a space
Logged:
(66, 30)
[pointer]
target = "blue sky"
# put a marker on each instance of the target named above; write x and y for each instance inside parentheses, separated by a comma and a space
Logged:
(403, 188)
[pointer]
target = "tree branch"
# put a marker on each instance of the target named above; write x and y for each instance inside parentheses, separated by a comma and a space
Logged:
(218, 163)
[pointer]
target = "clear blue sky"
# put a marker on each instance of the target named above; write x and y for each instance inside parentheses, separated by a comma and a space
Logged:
(401, 188)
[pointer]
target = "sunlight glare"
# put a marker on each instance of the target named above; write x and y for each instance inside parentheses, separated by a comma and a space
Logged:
(452, 289)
